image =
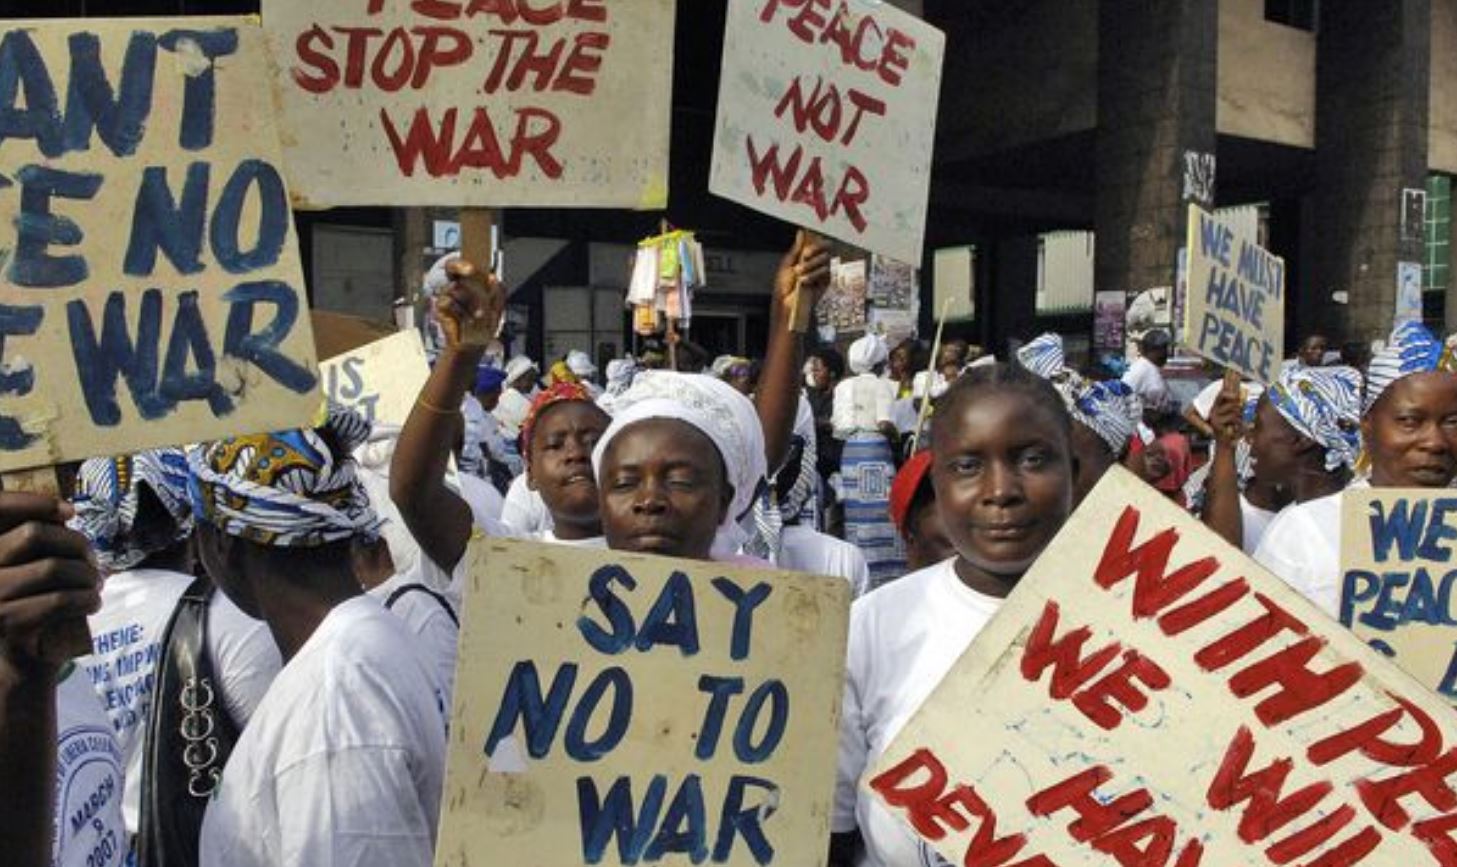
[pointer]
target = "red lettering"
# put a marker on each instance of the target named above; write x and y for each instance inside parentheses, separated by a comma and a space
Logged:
(1318, 834)
(328, 75)
(854, 191)
(1301, 690)
(1153, 590)
(387, 81)
(1096, 702)
(1352, 851)
(1095, 817)
(808, 20)
(1266, 811)
(433, 57)
(1069, 669)
(1383, 797)
(535, 140)
(354, 60)
(540, 17)
(897, 58)
(587, 10)
(1199, 611)
(421, 142)
(767, 167)
(582, 64)
(1366, 737)
(821, 110)
(863, 103)
(1436, 835)
(505, 10)
(481, 149)
(1239, 643)
(1148, 843)
(811, 189)
(441, 9)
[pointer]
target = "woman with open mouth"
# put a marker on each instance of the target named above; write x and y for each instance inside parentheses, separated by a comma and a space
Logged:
(1409, 432)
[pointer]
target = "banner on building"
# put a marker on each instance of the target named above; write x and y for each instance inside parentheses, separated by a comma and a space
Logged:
(380, 381)
(1397, 579)
(827, 119)
(485, 104)
(1235, 309)
(1149, 695)
(150, 276)
(613, 708)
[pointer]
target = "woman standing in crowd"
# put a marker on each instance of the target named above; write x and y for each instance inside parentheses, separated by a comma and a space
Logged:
(1409, 431)
(863, 420)
(344, 760)
(913, 509)
(135, 512)
(1003, 470)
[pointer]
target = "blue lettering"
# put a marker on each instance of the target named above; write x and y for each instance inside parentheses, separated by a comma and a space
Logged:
(261, 348)
(683, 827)
(1433, 548)
(672, 619)
(740, 820)
(602, 820)
(1385, 615)
(1214, 239)
(272, 218)
(1421, 602)
(1402, 527)
(199, 93)
(1448, 686)
(539, 716)
(99, 362)
(120, 117)
(1358, 586)
(38, 228)
(744, 605)
(619, 617)
(190, 341)
(576, 738)
(158, 222)
(23, 69)
(721, 688)
(747, 751)
(16, 322)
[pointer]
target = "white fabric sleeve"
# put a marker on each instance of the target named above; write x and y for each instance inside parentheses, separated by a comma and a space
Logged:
(854, 747)
(352, 807)
(244, 657)
(842, 416)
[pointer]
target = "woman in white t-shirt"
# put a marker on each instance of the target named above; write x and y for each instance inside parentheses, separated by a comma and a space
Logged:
(1409, 433)
(1002, 467)
(135, 512)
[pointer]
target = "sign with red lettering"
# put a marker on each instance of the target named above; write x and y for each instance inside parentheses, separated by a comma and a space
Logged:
(560, 103)
(1148, 695)
(827, 118)
(1397, 578)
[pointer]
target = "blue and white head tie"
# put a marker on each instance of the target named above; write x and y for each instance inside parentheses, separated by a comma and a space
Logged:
(1324, 405)
(1109, 409)
(289, 489)
(108, 498)
(1412, 349)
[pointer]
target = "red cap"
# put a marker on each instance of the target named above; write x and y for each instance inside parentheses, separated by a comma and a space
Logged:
(908, 481)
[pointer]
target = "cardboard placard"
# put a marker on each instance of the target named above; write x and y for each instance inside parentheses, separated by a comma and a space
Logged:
(613, 708)
(1149, 695)
(150, 272)
(827, 119)
(450, 103)
(1234, 314)
(380, 381)
(1397, 578)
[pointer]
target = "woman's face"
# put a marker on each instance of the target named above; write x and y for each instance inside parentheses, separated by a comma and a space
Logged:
(560, 466)
(664, 490)
(1411, 432)
(1003, 472)
(1274, 443)
(819, 373)
(900, 363)
(927, 543)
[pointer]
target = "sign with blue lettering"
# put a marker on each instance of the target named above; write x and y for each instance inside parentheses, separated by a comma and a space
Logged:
(1234, 314)
(1398, 576)
(150, 288)
(614, 708)
(381, 380)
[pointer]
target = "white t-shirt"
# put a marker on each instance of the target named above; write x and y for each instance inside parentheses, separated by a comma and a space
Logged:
(344, 761)
(427, 615)
(904, 637)
(804, 549)
(126, 636)
(524, 512)
(1144, 377)
(89, 829)
(1254, 522)
(1302, 545)
(861, 404)
(511, 411)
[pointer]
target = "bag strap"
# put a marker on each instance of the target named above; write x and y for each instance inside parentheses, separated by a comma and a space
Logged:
(421, 588)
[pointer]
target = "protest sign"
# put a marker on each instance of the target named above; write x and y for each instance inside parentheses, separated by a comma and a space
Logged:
(1397, 578)
(152, 288)
(441, 103)
(380, 381)
(827, 118)
(1148, 695)
(613, 708)
(1235, 308)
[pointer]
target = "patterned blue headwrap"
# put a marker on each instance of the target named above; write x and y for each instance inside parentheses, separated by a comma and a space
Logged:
(108, 494)
(1324, 405)
(1411, 349)
(1109, 409)
(290, 489)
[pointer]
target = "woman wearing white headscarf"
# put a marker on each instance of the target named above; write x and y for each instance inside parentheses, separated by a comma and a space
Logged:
(863, 417)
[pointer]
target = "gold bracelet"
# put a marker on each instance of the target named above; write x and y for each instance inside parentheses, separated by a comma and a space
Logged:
(430, 407)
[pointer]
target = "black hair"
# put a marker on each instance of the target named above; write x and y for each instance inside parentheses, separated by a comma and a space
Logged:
(831, 358)
(1001, 378)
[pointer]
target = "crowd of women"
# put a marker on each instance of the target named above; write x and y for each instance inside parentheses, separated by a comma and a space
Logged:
(289, 706)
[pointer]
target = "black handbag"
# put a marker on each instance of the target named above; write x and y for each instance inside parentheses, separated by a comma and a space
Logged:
(189, 738)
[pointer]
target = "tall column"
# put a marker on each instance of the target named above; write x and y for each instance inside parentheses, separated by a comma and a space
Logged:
(1371, 84)
(1155, 136)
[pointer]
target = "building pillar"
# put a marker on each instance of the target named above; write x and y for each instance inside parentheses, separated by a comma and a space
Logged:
(1006, 305)
(1156, 136)
(1371, 83)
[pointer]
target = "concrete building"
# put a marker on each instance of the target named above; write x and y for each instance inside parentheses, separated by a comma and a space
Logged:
(1072, 134)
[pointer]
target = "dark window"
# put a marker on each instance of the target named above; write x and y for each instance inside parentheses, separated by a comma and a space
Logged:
(1293, 13)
